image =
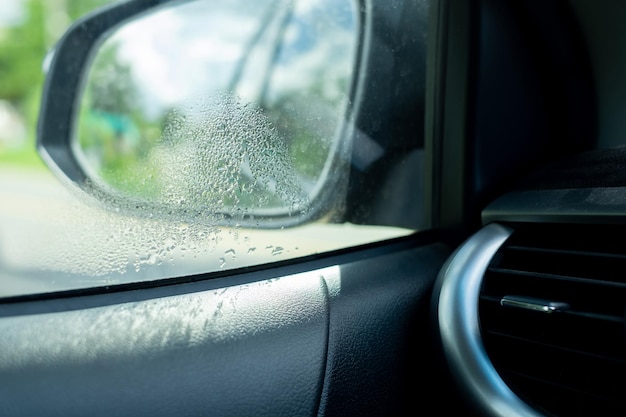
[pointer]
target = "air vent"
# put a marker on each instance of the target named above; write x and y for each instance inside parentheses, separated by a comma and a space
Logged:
(551, 314)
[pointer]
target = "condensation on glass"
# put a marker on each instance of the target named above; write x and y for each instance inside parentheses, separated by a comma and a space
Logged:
(226, 120)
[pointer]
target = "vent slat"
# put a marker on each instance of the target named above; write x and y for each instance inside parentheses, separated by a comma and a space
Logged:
(566, 362)
(586, 314)
(563, 387)
(587, 354)
(591, 254)
(576, 370)
(558, 277)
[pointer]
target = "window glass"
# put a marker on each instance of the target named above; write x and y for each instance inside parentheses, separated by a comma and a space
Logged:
(236, 123)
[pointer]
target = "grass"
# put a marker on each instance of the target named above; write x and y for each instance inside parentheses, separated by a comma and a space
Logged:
(23, 157)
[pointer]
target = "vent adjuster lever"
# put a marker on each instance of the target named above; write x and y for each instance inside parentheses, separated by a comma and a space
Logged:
(534, 304)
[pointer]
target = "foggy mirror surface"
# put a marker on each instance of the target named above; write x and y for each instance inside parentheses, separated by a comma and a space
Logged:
(220, 108)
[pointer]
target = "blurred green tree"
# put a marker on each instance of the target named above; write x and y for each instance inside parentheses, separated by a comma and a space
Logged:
(23, 47)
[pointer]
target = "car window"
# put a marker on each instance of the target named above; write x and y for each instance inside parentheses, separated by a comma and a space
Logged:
(234, 122)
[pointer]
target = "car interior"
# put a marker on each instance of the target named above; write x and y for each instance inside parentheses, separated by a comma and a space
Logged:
(502, 125)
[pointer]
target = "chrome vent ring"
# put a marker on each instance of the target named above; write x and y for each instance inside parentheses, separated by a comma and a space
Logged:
(459, 286)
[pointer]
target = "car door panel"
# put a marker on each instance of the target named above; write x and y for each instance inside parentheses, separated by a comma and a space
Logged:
(185, 353)
(331, 339)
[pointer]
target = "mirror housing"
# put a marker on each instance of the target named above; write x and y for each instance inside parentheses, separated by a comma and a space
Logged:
(63, 102)
(66, 65)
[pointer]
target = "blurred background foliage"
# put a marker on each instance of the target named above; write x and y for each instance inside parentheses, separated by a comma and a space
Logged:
(28, 30)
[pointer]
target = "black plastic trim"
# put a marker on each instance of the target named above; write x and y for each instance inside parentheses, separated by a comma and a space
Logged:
(575, 205)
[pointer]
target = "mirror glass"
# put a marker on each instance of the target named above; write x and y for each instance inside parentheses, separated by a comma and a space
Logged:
(229, 107)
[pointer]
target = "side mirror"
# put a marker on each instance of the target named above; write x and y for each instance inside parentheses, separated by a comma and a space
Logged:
(229, 112)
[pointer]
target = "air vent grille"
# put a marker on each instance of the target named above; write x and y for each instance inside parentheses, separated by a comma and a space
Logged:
(570, 361)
